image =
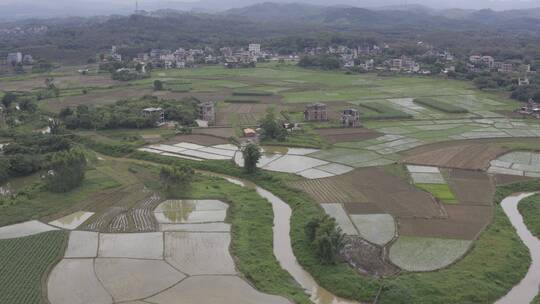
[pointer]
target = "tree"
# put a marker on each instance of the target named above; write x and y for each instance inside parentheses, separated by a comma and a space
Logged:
(271, 129)
(66, 170)
(176, 179)
(326, 238)
(158, 85)
(251, 154)
(55, 126)
(8, 99)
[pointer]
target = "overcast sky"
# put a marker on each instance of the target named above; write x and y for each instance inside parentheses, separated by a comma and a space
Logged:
(16, 9)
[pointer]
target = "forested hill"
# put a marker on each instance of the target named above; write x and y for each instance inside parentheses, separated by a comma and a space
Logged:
(285, 26)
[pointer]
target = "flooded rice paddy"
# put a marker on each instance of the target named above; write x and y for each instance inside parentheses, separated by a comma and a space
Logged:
(274, 158)
(517, 163)
(72, 221)
(188, 261)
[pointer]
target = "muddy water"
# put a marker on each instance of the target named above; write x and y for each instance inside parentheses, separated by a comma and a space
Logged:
(283, 249)
(527, 289)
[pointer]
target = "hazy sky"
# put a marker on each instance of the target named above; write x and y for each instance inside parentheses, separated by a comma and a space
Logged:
(16, 9)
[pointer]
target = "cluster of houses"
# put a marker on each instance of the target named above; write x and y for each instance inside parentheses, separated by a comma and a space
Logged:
(183, 58)
(484, 63)
(349, 118)
(17, 58)
(364, 58)
(206, 114)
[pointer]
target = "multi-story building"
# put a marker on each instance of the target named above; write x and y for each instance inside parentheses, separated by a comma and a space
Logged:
(316, 112)
(254, 48)
(156, 113)
(207, 112)
(14, 58)
(350, 118)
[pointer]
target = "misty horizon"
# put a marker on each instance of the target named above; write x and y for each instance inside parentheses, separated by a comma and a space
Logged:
(12, 10)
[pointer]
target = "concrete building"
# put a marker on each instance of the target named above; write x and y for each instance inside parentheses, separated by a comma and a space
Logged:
(506, 68)
(254, 48)
(157, 113)
(316, 112)
(523, 81)
(14, 58)
(28, 59)
(207, 112)
(350, 118)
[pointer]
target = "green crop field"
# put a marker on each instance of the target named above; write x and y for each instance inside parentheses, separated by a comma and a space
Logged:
(441, 191)
(530, 210)
(24, 262)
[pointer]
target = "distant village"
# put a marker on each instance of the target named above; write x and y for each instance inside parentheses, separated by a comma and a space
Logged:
(365, 58)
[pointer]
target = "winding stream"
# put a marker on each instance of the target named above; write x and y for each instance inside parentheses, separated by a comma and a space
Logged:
(283, 249)
(527, 289)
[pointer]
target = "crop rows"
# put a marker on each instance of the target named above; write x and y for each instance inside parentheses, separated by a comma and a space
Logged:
(23, 264)
(119, 223)
(441, 106)
(380, 111)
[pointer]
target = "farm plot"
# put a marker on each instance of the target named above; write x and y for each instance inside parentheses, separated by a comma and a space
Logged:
(190, 211)
(431, 180)
(380, 192)
(426, 254)
(375, 228)
(102, 97)
(471, 187)
(242, 113)
(72, 221)
(154, 267)
(214, 131)
(517, 163)
(344, 222)
(335, 135)
(473, 155)
(462, 222)
(24, 229)
(25, 262)
(352, 157)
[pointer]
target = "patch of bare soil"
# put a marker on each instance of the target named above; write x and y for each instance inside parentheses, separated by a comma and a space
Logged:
(388, 193)
(463, 222)
(223, 132)
(505, 179)
(336, 135)
(203, 140)
(463, 154)
(471, 187)
(367, 258)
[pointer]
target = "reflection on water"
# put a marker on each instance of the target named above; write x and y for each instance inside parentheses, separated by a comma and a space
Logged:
(527, 289)
(178, 211)
(283, 249)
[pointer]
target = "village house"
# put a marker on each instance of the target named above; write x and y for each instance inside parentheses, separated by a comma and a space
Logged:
(254, 48)
(14, 58)
(523, 81)
(506, 68)
(28, 59)
(157, 113)
(396, 64)
(316, 112)
(350, 118)
(532, 108)
(207, 112)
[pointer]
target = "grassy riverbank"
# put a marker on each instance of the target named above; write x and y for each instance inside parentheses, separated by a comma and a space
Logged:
(530, 210)
(252, 238)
